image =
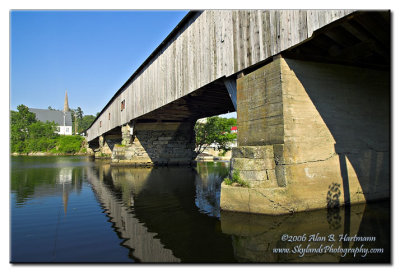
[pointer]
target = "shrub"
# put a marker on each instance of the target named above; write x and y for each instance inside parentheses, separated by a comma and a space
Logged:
(236, 179)
(69, 144)
(228, 181)
(40, 145)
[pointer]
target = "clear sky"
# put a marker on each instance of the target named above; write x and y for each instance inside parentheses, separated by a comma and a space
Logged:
(91, 54)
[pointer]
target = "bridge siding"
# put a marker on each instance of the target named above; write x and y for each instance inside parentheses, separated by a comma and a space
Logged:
(197, 56)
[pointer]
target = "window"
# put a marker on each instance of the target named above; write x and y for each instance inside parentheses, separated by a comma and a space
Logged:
(109, 116)
(122, 105)
(100, 123)
(67, 130)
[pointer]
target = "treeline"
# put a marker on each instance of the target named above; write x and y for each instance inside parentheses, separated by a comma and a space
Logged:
(30, 135)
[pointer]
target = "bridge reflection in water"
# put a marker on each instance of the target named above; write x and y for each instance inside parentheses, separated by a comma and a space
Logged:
(255, 237)
(153, 210)
(172, 215)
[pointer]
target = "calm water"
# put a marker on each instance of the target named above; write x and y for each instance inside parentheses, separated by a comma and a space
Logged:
(74, 209)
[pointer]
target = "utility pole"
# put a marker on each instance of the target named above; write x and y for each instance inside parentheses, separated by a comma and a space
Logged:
(76, 123)
(64, 122)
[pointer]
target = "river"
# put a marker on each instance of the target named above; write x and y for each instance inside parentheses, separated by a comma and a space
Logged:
(75, 209)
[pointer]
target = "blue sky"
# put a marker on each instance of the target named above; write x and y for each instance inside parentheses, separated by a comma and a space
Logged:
(88, 53)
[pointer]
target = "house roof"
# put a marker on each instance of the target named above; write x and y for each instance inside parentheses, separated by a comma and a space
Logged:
(52, 115)
(234, 128)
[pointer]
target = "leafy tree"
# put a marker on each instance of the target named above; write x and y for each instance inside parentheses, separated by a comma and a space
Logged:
(20, 122)
(85, 122)
(77, 116)
(215, 130)
(42, 137)
(25, 117)
(42, 130)
(79, 113)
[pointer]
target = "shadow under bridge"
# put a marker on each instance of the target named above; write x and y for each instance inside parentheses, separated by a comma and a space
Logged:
(166, 135)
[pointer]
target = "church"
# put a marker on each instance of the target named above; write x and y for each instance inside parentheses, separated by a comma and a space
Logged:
(63, 119)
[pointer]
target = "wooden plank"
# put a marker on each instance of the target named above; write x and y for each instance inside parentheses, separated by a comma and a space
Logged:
(267, 40)
(312, 21)
(235, 34)
(302, 30)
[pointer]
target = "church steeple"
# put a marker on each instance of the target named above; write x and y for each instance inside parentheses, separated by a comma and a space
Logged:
(66, 107)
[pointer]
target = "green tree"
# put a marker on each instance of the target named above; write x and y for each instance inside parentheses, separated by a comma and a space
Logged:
(42, 136)
(215, 130)
(85, 122)
(20, 122)
(40, 129)
(77, 116)
(79, 113)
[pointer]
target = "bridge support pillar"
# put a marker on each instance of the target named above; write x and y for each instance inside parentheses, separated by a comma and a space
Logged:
(106, 145)
(310, 136)
(157, 143)
(126, 134)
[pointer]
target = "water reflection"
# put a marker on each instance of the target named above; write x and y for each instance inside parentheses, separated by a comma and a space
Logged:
(33, 178)
(153, 209)
(54, 215)
(208, 186)
(73, 209)
(142, 244)
(255, 237)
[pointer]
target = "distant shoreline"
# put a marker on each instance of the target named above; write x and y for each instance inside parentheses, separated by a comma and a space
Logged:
(50, 154)
(207, 158)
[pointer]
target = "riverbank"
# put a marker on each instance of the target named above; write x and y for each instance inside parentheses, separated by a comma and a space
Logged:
(200, 158)
(51, 154)
(209, 158)
(214, 155)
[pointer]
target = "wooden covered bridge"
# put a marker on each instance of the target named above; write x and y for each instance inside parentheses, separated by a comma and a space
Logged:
(312, 95)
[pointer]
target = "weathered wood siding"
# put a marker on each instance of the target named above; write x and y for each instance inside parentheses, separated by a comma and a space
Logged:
(211, 45)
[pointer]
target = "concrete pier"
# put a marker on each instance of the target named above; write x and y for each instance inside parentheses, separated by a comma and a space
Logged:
(312, 135)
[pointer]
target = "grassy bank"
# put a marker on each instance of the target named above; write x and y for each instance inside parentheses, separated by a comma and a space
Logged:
(56, 145)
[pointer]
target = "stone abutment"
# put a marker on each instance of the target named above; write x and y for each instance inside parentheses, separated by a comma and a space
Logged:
(158, 143)
(310, 136)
